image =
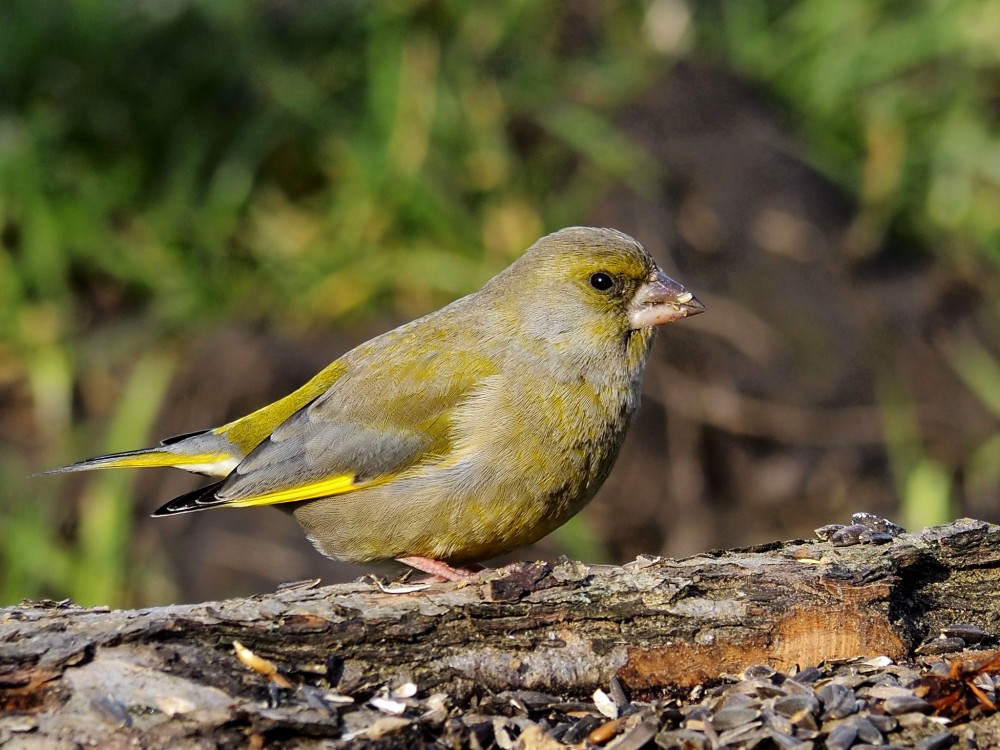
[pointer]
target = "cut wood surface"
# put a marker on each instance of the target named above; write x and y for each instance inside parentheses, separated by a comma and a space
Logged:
(314, 659)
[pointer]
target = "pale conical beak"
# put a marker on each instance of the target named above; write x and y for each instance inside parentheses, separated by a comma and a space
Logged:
(661, 300)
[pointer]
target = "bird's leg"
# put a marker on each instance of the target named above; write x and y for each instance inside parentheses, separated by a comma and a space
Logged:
(436, 569)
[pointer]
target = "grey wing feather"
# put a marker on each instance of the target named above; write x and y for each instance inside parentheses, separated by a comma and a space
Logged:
(305, 450)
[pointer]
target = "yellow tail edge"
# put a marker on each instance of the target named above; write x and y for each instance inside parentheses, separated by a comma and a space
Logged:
(141, 459)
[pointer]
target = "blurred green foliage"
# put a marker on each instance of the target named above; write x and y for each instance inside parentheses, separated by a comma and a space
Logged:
(897, 101)
(164, 165)
(181, 152)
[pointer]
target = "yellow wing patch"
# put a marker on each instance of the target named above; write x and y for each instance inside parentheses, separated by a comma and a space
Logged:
(246, 433)
(324, 488)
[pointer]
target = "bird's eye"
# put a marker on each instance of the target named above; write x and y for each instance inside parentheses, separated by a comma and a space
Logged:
(602, 281)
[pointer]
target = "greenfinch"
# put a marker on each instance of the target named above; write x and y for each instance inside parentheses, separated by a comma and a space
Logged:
(465, 434)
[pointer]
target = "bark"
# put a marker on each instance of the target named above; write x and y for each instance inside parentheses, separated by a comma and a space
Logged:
(169, 676)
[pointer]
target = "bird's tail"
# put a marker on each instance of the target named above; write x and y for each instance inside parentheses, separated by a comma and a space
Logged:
(124, 460)
(198, 452)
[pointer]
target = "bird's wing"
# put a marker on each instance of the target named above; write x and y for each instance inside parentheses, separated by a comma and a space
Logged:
(369, 426)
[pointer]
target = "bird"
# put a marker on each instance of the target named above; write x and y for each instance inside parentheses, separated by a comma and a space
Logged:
(462, 435)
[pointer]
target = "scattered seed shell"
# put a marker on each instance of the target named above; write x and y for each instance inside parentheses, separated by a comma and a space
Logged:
(604, 704)
(637, 737)
(303, 585)
(940, 645)
(901, 705)
(847, 536)
(387, 705)
(968, 633)
(337, 699)
(936, 742)
(877, 523)
(682, 739)
(606, 731)
(730, 718)
(867, 732)
(825, 532)
(261, 665)
(841, 737)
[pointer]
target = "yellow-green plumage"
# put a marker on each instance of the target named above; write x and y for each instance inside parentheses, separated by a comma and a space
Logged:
(467, 433)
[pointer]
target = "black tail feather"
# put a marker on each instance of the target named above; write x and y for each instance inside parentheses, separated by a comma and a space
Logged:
(202, 498)
(181, 438)
(107, 461)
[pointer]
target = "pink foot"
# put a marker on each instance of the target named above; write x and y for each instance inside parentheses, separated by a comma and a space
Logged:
(441, 571)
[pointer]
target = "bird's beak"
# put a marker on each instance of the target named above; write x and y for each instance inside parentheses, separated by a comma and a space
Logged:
(661, 300)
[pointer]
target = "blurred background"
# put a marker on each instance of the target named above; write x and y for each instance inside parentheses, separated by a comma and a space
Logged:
(203, 202)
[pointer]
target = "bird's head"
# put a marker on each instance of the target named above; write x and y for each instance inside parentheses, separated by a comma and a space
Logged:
(594, 283)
